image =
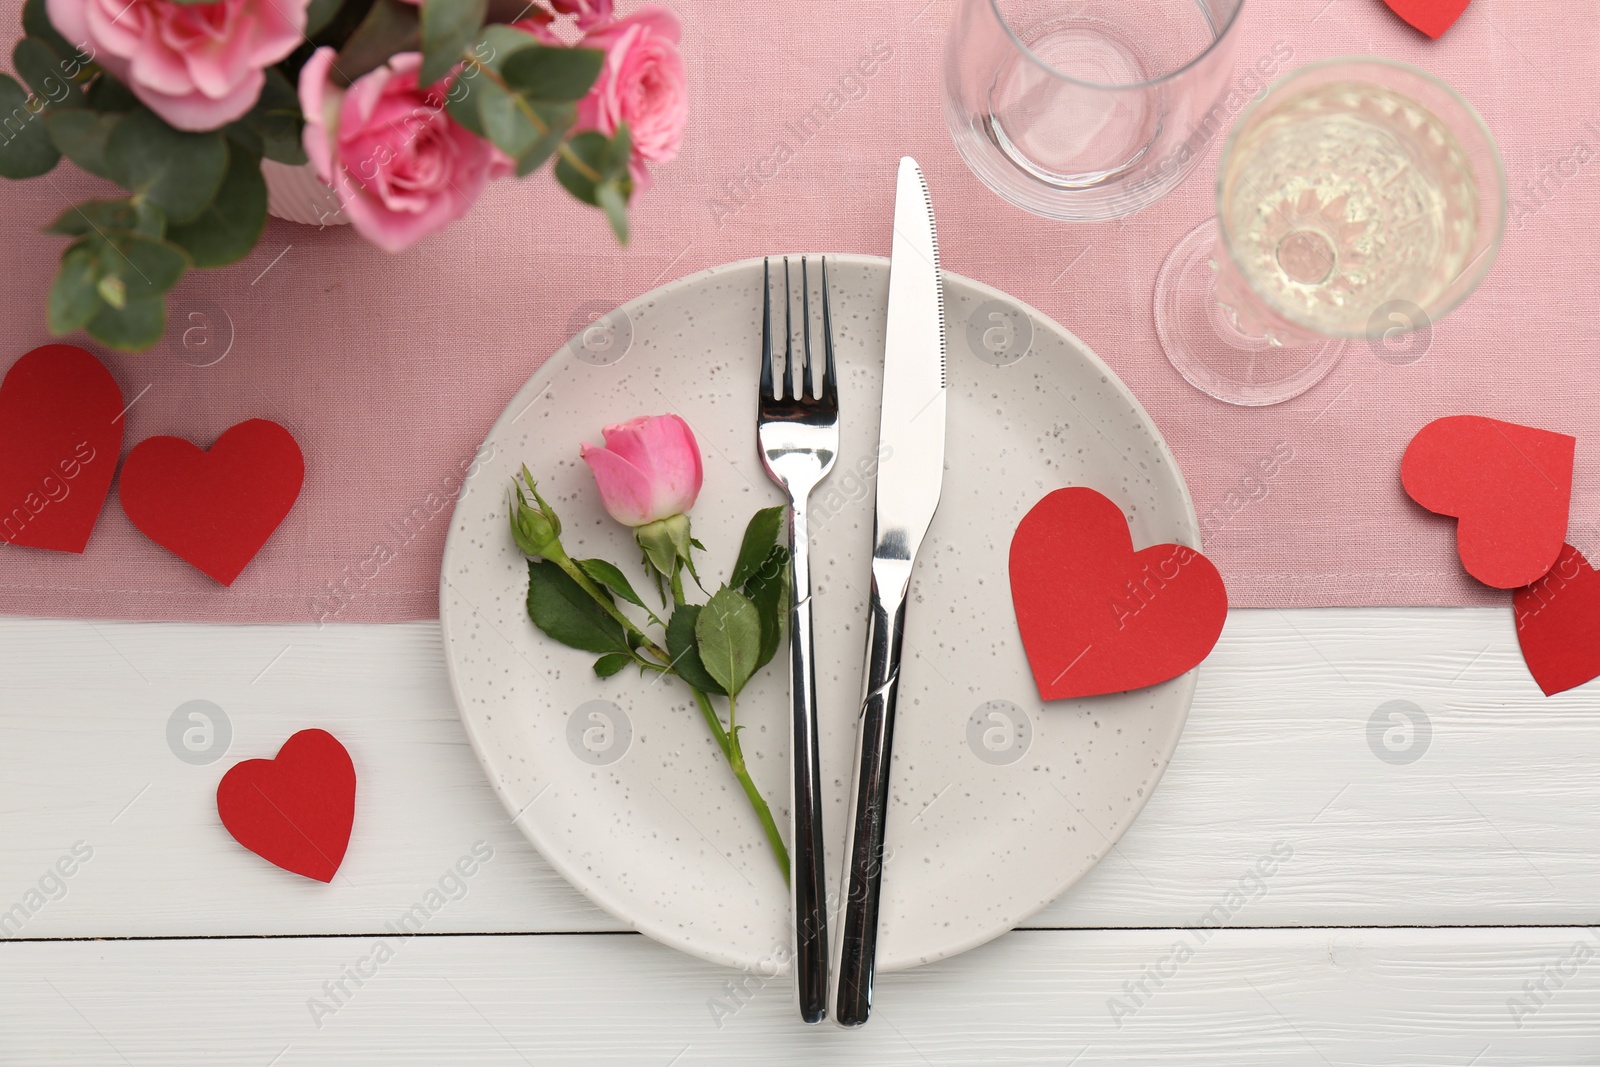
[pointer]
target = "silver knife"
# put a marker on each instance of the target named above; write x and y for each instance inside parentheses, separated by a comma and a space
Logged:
(910, 475)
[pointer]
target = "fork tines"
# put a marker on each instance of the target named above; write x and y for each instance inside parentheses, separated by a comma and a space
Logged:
(793, 376)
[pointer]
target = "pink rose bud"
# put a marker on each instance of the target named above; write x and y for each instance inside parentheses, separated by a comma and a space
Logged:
(198, 66)
(648, 470)
(401, 166)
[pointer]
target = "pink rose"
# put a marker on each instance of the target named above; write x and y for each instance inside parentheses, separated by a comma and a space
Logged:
(590, 13)
(401, 166)
(648, 470)
(642, 83)
(198, 66)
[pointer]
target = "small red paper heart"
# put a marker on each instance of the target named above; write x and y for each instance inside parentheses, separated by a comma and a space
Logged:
(1508, 485)
(1432, 17)
(295, 810)
(60, 435)
(1558, 624)
(1096, 616)
(214, 508)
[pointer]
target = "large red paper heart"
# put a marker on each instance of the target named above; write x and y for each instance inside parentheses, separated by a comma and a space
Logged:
(214, 508)
(1096, 616)
(1558, 624)
(1508, 485)
(60, 436)
(1432, 17)
(294, 810)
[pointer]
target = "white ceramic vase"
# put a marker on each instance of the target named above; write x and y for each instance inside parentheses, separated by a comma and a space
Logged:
(296, 194)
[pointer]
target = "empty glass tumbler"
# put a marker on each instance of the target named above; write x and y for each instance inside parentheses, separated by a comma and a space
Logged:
(1087, 110)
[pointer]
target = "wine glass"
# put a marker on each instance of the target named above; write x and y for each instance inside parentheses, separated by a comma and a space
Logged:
(1358, 198)
(1086, 110)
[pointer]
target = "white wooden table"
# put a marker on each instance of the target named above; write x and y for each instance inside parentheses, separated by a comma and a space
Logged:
(1436, 898)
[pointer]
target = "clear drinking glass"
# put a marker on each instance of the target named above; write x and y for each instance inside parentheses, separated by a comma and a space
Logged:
(1358, 198)
(1086, 110)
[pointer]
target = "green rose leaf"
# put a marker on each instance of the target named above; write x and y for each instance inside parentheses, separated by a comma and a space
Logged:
(36, 23)
(179, 171)
(103, 216)
(81, 135)
(390, 26)
(448, 26)
(609, 576)
(558, 75)
(768, 590)
(559, 606)
(760, 535)
(135, 326)
(46, 73)
(685, 652)
(73, 301)
(611, 663)
(728, 633)
(227, 228)
(25, 147)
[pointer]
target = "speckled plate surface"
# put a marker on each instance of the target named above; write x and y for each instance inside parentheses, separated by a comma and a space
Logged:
(999, 802)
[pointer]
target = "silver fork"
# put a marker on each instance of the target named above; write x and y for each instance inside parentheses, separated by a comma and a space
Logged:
(797, 425)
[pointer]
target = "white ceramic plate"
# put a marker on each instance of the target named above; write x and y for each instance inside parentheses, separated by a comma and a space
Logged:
(999, 802)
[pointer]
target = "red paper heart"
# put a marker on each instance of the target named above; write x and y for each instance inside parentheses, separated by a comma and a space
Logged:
(60, 435)
(214, 508)
(1558, 624)
(1432, 17)
(1096, 616)
(294, 810)
(1508, 485)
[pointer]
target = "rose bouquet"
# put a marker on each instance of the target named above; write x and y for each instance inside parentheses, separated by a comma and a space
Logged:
(405, 109)
(649, 474)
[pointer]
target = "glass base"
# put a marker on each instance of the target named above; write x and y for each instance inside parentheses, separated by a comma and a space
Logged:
(1206, 346)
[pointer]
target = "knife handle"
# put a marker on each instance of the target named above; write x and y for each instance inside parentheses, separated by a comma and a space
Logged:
(863, 857)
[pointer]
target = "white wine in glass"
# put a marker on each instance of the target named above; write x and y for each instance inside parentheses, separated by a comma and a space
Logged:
(1355, 195)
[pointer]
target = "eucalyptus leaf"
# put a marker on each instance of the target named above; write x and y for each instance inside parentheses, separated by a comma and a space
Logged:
(613, 200)
(81, 135)
(609, 576)
(45, 72)
(135, 326)
(318, 14)
(559, 606)
(228, 228)
(728, 634)
(685, 652)
(36, 23)
(390, 26)
(760, 535)
(580, 178)
(108, 94)
(73, 300)
(273, 126)
(611, 663)
(104, 216)
(768, 590)
(448, 26)
(25, 147)
(553, 74)
(147, 266)
(178, 170)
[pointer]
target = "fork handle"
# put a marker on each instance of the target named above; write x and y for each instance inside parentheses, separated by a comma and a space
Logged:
(807, 885)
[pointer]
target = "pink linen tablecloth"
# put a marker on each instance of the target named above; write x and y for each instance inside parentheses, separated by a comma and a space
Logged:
(390, 369)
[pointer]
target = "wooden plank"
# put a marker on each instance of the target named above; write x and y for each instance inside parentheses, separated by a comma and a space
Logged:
(1494, 824)
(1282, 998)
